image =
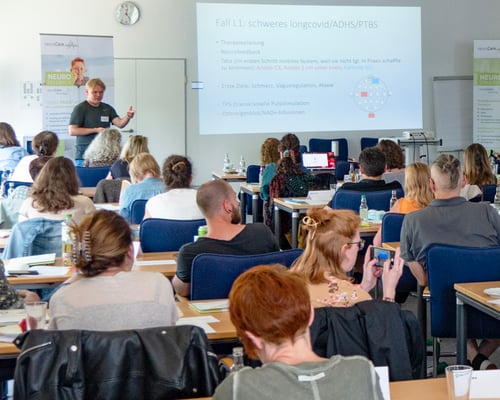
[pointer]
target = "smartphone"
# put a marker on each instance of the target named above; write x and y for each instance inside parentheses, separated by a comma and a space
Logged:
(381, 255)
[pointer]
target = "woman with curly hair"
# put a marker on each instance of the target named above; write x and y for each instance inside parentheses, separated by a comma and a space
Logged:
(54, 193)
(104, 150)
(394, 161)
(269, 156)
(179, 201)
(332, 246)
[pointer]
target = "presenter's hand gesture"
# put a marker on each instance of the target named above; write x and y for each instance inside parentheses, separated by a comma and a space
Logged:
(130, 112)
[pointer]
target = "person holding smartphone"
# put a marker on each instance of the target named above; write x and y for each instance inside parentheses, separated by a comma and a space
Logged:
(332, 246)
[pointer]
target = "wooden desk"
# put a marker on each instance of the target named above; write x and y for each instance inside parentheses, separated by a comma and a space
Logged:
(237, 177)
(471, 294)
(300, 207)
(168, 270)
(391, 245)
(224, 329)
(252, 189)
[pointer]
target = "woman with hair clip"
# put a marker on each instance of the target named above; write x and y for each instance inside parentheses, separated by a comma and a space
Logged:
(44, 144)
(55, 193)
(179, 201)
(332, 246)
(106, 295)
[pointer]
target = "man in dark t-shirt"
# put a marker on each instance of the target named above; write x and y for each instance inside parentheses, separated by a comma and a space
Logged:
(220, 207)
(93, 116)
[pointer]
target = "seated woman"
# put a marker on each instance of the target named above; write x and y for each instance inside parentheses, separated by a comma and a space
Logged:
(394, 161)
(134, 145)
(10, 150)
(477, 172)
(179, 201)
(104, 150)
(269, 156)
(418, 193)
(44, 144)
(271, 311)
(106, 295)
(146, 182)
(332, 246)
(54, 193)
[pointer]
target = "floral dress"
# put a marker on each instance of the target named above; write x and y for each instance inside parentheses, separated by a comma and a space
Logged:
(337, 293)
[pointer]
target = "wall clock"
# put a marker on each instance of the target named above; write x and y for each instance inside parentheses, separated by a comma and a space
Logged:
(127, 13)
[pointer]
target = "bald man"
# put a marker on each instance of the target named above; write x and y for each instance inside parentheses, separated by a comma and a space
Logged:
(219, 205)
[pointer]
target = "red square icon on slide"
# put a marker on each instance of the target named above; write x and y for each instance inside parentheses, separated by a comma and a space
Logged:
(371, 115)
(364, 94)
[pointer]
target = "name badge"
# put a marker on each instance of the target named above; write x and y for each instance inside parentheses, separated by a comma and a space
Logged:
(104, 118)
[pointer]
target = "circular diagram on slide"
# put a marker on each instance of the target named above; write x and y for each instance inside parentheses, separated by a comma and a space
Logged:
(370, 94)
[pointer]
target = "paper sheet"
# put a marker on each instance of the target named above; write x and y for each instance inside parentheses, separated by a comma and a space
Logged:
(153, 262)
(383, 375)
(47, 270)
(31, 260)
(484, 384)
(8, 317)
(202, 322)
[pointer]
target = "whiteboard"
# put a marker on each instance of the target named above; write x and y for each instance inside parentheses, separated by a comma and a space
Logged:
(453, 110)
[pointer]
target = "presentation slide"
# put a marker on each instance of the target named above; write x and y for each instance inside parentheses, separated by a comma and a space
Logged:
(296, 68)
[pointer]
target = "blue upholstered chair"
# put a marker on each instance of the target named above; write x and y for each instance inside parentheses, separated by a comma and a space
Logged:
(253, 172)
(342, 168)
(447, 265)
(303, 148)
(212, 275)
(137, 211)
(33, 237)
(157, 234)
(368, 142)
(489, 193)
(90, 176)
(325, 145)
(351, 199)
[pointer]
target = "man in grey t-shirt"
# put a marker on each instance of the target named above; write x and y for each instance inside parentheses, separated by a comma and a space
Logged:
(449, 219)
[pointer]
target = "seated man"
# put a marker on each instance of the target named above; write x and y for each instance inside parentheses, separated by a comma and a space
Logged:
(220, 207)
(372, 166)
(448, 219)
(271, 311)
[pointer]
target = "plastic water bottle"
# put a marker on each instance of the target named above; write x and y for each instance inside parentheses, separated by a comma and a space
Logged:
(237, 359)
(243, 165)
(227, 162)
(67, 241)
(261, 175)
(352, 173)
(393, 199)
(363, 209)
(10, 191)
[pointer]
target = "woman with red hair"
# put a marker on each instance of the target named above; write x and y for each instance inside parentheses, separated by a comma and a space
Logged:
(271, 311)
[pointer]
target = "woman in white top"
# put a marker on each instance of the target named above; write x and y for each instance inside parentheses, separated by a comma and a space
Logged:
(43, 144)
(106, 295)
(54, 193)
(179, 201)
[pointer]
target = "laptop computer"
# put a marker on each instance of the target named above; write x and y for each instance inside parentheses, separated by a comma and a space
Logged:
(318, 161)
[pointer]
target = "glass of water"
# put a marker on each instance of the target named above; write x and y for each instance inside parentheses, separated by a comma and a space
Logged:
(36, 314)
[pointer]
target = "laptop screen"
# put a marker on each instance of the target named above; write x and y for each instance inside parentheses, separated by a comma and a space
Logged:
(318, 160)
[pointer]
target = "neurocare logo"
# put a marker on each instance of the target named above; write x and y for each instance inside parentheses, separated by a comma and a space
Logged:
(69, 44)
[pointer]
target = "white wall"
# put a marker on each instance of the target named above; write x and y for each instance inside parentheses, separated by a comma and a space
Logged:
(167, 29)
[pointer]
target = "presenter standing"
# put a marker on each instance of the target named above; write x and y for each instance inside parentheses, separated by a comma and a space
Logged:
(92, 116)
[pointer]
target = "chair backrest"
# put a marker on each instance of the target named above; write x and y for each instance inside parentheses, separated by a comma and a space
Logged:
(391, 227)
(157, 234)
(212, 275)
(173, 362)
(15, 184)
(90, 176)
(325, 145)
(33, 237)
(342, 168)
(137, 210)
(108, 190)
(447, 265)
(303, 148)
(368, 142)
(351, 199)
(253, 172)
(489, 193)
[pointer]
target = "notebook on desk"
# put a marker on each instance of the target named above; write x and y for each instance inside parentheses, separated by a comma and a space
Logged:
(319, 161)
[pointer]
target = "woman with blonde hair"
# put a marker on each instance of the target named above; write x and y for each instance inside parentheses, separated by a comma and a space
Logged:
(332, 246)
(179, 201)
(146, 182)
(106, 295)
(134, 145)
(418, 193)
(477, 172)
(10, 150)
(104, 150)
(55, 193)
